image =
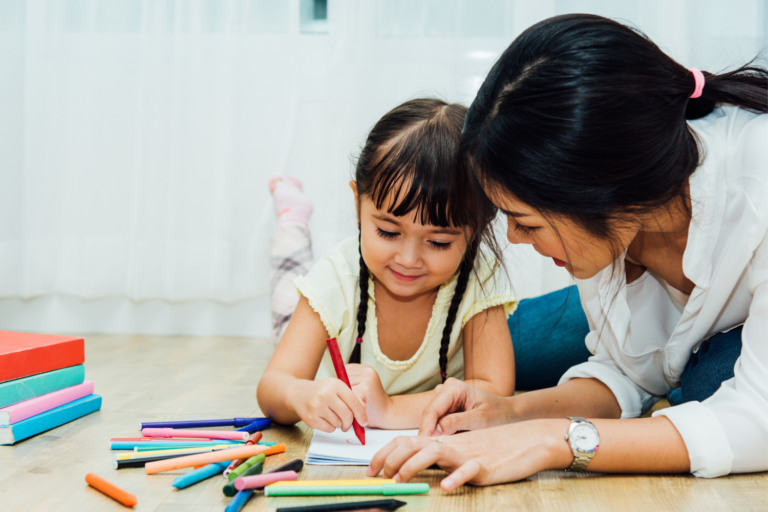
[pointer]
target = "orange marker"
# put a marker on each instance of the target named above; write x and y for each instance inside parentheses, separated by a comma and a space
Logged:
(111, 490)
(189, 461)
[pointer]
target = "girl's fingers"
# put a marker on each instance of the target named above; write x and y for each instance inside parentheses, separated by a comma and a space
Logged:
(343, 412)
(464, 474)
(441, 454)
(332, 418)
(349, 398)
(322, 425)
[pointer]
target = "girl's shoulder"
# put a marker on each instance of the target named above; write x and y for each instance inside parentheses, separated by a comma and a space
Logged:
(488, 286)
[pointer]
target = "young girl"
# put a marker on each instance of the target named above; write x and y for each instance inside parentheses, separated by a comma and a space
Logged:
(412, 300)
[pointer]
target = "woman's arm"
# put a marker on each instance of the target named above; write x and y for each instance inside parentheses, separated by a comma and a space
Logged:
(488, 364)
(287, 392)
(512, 452)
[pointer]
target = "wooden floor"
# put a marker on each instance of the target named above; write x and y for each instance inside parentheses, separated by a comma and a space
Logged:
(144, 378)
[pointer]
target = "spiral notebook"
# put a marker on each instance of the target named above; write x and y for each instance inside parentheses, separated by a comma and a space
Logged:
(344, 449)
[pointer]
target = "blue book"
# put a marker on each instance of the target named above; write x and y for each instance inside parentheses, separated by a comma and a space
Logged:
(15, 391)
(50, 419)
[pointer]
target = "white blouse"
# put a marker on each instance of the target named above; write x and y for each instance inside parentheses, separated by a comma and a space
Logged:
(642, 337)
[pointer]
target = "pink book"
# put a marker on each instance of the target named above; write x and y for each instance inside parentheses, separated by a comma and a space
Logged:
(28, 408)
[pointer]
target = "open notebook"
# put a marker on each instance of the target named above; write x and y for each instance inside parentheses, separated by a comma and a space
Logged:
(344, 449)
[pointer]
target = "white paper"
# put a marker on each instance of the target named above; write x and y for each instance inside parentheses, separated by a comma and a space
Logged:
(344, 449)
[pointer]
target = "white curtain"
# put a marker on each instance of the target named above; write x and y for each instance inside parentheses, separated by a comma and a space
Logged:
(137, 136)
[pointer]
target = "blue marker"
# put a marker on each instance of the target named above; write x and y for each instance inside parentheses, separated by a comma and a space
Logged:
(259, 424)
(239, 500)
(230, 422)
(200, 474)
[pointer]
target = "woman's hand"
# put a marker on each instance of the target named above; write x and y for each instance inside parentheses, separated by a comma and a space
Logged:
(456, 406)
(367, 386)
(500, 454)
(327, 404)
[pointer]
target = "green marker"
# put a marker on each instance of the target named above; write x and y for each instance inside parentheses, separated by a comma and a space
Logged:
(266, 443)
(345, 490)
(239, 470)
(256, 469)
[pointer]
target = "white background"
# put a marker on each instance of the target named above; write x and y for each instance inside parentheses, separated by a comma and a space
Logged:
(137, 137)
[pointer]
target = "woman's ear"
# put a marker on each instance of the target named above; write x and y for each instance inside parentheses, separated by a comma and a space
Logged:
(353, 186)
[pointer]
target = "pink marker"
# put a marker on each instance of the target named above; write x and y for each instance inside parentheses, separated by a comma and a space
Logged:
(257, 481)
(233, 435)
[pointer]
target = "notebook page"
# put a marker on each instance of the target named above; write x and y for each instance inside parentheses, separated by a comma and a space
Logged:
(344, 449)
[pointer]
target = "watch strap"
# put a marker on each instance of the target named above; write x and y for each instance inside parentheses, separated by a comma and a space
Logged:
(580, 459)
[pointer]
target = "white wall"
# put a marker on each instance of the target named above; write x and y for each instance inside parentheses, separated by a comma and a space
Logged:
(137, 136)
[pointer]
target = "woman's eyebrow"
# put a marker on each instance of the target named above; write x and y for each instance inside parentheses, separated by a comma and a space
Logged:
(513, 214)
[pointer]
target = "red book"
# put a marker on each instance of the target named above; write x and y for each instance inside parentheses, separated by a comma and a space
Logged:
(23, 354)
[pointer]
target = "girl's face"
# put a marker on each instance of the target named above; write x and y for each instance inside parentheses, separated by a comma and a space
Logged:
(568, 244)
(405, 256)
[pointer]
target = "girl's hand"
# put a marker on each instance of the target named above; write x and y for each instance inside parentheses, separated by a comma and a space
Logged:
(457, 406)
(327, 404)
(500, 454)
(367, 387)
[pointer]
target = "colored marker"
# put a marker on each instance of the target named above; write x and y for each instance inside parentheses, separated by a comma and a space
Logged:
(199, 475)
(232, 422)
(254, 482)
(255, 438)
(229, 489)
(345, 490)
(345, 507)
(111, 490)
(341, 373)
(143, 461)
(295, 465)
(175, 446)
(209, 458)
(365, 481)
(162, 439)
(210, 434)
(259, 424)
(238, 501)
(178, 452)
(245, 465)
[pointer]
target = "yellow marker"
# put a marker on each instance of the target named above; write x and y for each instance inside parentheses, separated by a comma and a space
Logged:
(369, 481)
(138, 455)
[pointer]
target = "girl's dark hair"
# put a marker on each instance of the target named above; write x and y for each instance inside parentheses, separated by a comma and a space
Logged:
(409, 164)
(586, 118)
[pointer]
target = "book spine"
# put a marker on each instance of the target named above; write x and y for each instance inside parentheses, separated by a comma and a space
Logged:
(36, 360)
(19, 390)
(34, 406)
(51, 419)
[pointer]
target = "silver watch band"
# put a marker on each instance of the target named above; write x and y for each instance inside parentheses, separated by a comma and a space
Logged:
(580, 459)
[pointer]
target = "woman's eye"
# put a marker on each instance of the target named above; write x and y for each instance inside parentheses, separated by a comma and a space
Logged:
(525, 229)
(441, 246)
(389, 235)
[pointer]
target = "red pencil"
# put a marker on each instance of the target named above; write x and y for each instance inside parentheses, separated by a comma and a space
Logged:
(341, 373)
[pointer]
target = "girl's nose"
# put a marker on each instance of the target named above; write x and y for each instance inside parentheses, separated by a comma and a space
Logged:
(408, 256)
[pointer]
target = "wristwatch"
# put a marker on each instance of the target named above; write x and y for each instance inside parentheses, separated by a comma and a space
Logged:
(584, 440)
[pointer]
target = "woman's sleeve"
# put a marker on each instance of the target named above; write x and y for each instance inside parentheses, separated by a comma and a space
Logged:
(330, 289)
(728, 432)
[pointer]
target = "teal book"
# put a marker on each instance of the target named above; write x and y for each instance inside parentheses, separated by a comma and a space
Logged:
(50, 419)
(15, 391)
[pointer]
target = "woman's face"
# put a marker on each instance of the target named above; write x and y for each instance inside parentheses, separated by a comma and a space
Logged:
(568, 244)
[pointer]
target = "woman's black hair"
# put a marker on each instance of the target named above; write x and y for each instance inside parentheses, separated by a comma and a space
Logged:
(409, 164)
(585, 118)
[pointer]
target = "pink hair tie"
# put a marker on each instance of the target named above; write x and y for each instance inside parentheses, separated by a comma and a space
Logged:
(442, 374)
(699, 77)
(359, 340)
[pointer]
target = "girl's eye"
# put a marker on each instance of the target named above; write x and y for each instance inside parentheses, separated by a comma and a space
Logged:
(441, 246)
(389, 235)
(526, 230)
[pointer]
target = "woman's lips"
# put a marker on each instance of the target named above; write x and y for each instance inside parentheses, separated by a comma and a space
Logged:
(559, 263)
(403, 277)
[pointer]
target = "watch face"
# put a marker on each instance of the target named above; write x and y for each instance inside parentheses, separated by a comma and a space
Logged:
(584, 438)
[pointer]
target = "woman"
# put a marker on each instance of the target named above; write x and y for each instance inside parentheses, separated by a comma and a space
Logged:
(649, 183)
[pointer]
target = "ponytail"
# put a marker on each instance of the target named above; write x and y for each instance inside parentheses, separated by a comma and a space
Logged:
(745, 87)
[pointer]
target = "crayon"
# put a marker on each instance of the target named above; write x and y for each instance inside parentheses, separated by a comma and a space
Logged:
(245, 465)
(341, 373)
(211, 457)
(345, 490)
(388, 505)
(231, 422)
(229, 489)
(255, 438)
(199, 475)
(211, 434)
(238, 501)
(252, 482)
(111, 490)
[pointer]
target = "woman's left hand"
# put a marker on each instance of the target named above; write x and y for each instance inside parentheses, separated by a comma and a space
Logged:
(506, 453)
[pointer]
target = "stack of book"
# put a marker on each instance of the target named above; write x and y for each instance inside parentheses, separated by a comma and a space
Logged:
(42, 384)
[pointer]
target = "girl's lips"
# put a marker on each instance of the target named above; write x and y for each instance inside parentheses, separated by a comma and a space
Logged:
(559, 263)
(402, 277)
